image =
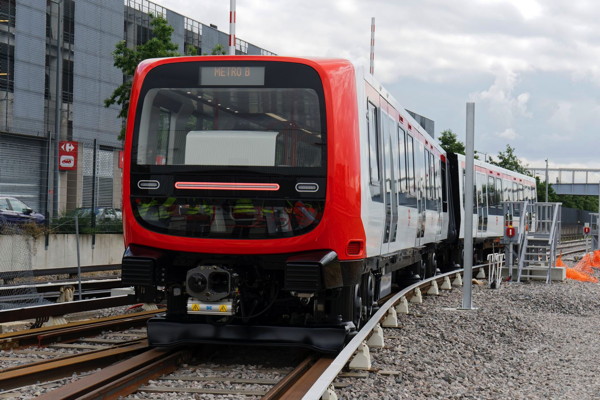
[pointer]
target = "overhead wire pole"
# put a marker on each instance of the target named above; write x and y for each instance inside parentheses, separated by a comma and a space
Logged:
(468, 247)
(372, 53)
(232, 18)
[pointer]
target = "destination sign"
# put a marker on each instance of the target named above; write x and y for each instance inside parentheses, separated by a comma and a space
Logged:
(232, 76)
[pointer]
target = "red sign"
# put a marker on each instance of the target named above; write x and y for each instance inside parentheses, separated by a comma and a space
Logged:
(586, 230)
(67, 156)
(510, 231)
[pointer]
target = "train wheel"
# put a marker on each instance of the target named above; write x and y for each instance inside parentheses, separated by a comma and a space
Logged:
(432, 265)
(428, 265)
(357, 306)
(368, 295)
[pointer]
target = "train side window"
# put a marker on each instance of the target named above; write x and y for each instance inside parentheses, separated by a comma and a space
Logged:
(491, 189)
(373, 143)
(443, 185)
(521, 197)
(426, 176)
(421, 172)
(480, 199)
(433, 179)
(410, 170)
(499, 191)
(402, 160)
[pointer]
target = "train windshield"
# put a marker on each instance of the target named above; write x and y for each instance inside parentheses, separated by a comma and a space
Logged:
(229, 149)
(241, 127)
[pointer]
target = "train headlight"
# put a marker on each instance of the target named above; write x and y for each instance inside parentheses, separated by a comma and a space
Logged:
(209, 283)
(196, 282)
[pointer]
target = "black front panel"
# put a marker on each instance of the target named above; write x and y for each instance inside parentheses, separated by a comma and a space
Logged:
(230, 150)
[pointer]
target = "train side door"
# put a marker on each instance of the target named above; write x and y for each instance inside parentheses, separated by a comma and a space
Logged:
(389, 181)
(421, 195)
(482, 205)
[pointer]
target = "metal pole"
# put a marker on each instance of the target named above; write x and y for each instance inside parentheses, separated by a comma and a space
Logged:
(232, 18)
(372, 55)
(468, 246)
(78, 257)
(58, 107)
(546, 180)
(94, 201)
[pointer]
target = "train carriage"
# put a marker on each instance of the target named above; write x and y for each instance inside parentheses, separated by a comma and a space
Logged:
(276, 199)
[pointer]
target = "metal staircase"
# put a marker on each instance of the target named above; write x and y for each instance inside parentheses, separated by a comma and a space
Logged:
(537, 250)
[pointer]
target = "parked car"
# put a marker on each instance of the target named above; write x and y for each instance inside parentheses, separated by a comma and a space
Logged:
(14, 211)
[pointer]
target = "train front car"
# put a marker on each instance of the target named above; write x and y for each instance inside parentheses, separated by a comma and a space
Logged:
(242, 200)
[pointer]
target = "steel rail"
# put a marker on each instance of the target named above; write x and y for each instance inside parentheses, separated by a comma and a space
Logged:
(43, 335)
(123, 378)
(47, 370)
(300, 378)
(307, 380)
(328, 376)
(59, 309)
(43, 287)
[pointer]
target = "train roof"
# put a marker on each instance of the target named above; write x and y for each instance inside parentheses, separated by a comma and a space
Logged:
(505, 173)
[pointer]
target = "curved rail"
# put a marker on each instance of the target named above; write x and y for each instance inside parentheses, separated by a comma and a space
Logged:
(325, 380)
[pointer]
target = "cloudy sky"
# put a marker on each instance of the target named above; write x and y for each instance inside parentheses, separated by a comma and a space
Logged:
(531, 66)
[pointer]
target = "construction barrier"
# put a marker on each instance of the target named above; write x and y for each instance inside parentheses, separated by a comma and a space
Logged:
(584, 269)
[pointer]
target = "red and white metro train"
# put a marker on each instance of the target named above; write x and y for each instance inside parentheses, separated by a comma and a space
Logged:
(276, 199)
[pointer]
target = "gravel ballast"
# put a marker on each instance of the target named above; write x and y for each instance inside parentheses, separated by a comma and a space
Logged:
(523, 341)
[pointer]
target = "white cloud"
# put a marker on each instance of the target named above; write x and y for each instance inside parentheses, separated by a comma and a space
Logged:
(562, 115)
(517, 59)
(529, 9)
(500, 99)
(508, 134)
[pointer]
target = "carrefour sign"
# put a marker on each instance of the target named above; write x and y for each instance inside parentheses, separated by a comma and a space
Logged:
(67, 156)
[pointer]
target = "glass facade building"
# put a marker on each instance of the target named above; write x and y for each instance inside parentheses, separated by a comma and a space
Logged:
(56, 70)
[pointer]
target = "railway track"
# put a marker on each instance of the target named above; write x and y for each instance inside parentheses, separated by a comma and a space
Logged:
(133, 367)
(157, 372)
(573, 247)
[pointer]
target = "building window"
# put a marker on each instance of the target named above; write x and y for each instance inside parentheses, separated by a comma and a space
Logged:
(241, 46)
(47, 79)
(7, 12)
(69, 21)
(143, 34)
(7, 65)
(67, 81)
(193, 37)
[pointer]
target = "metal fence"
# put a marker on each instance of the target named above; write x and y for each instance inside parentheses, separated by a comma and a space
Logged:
(24, 174)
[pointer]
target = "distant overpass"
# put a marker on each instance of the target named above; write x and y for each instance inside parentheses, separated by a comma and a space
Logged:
(582, 182)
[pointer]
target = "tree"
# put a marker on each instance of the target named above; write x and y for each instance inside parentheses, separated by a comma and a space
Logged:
(127, 59)
(508, 159)
(218, 50)
(450, 143)
(541, 191)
